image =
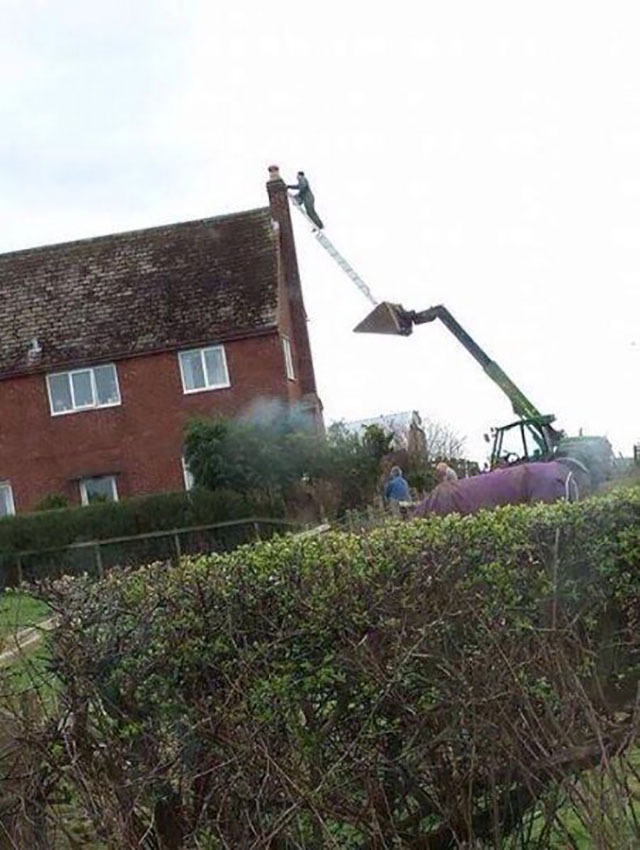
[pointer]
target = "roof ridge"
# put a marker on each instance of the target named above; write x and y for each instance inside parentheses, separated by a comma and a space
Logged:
(143, 230)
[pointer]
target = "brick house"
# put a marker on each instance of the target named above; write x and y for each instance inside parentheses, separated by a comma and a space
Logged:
(109, 345)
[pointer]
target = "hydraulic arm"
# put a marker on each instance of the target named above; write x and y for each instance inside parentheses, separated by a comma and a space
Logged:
(521, 405)
(389, 318)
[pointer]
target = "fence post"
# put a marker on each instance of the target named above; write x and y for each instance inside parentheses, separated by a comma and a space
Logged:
(176, 540)
(256, 528)
(99, 561)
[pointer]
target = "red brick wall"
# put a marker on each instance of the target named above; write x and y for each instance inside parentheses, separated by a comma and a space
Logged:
(140, 439)
(288, 263)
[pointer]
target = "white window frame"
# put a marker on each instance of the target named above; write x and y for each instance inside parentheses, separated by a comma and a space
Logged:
(5, 485)
(84, 496)
(187, 475)
(94, 390)
(288, 358)
(208, 387)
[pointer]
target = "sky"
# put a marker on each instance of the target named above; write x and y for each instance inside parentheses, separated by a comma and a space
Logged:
(485, 156)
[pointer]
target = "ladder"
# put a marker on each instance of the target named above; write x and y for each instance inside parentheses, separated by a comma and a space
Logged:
(330, 248)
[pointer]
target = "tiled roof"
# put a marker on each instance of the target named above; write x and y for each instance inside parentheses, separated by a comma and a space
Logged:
(141, 291)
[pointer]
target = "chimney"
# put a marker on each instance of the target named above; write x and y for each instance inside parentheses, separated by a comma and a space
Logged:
(279, 203)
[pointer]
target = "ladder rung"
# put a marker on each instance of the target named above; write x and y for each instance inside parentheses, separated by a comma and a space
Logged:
(337, 256)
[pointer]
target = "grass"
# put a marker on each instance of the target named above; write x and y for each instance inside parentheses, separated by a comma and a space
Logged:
(599, 811)
(28, 672)
(18, 611)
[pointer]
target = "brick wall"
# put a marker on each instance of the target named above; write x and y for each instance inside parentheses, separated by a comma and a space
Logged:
(288, 265)
(141, 439)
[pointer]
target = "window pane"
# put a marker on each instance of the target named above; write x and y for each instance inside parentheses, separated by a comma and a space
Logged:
(189, 481)
(192, 372)
(512, 445)
(6, 502)
(216, 372)
(82, 390)
(286, 345)
(60, 393)
(106, 384)
(101, 489)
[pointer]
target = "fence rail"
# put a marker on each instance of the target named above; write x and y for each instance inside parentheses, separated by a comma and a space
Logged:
(97, 556)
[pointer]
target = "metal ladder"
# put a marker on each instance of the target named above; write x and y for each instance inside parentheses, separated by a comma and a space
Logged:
(330, 248)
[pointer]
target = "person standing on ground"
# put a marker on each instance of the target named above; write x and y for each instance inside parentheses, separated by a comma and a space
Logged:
(445, 473)
(396, 488)
(305, 197)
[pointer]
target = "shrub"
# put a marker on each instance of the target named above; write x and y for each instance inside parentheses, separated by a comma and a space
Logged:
(433, 683)
(58, 528)
(51, 502)
(264, 457)
(273, 457)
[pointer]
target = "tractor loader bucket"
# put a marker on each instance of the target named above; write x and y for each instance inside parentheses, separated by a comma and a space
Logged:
(386, 318)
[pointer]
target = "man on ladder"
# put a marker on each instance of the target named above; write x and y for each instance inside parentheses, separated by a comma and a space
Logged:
(304, 201)
(305, 197)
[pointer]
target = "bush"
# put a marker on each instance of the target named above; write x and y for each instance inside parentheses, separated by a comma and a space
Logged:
(433, 683)
(52, 502)
(264, 457)
(53, 529)
(274, 457)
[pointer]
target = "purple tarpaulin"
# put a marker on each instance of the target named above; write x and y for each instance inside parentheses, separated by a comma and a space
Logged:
(525, 483)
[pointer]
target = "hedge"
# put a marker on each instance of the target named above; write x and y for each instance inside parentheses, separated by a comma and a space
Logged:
(58, 528)
(431, 683)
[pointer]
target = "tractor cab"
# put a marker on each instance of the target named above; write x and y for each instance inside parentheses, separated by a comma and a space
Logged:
(535, 438)
(528, 439)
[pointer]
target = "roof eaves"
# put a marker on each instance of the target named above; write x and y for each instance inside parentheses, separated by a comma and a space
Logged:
(67, 364)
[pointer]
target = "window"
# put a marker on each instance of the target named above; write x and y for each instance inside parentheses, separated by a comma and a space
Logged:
(6, 499)
(102, 488)
(204, 369)
(83, 389)
(189, 481)
(288, 359)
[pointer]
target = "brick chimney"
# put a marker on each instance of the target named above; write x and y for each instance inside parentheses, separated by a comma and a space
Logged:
(279, 203)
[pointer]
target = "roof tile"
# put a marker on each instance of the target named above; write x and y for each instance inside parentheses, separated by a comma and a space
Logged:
(140, 291)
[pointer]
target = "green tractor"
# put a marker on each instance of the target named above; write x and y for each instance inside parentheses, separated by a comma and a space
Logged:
(532, 437)
(540, 441)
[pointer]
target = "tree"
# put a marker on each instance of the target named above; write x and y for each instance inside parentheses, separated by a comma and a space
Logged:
(441, 441)
(247, 456)
(272, 455)
(434, 440)
(422, 443)
(352, 461)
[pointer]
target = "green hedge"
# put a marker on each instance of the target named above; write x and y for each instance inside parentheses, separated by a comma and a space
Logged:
(425, 685)
(58, 528)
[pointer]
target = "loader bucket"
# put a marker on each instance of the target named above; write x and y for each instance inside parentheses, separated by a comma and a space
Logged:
(386, 318)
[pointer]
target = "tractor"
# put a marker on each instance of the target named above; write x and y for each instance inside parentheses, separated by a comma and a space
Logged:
(532, 437)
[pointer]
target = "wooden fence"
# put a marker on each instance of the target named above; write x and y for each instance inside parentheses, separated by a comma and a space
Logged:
(97, 556)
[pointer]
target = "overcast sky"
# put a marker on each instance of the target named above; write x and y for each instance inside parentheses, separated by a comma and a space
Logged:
(481, 155)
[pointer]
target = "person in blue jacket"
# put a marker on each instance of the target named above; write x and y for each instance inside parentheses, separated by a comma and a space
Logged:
(396, 488)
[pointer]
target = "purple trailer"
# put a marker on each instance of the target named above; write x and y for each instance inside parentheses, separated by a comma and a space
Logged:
(524, 483)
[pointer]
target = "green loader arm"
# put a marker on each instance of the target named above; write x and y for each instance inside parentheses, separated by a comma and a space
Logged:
(521, 405)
